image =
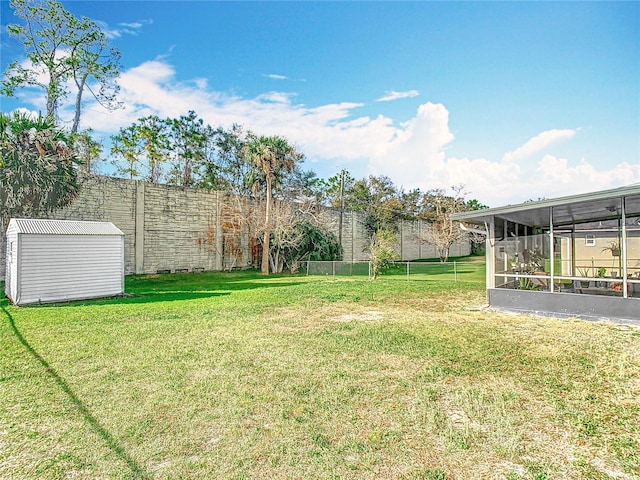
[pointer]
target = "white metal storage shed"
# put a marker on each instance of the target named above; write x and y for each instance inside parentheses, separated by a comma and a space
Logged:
(60, 260)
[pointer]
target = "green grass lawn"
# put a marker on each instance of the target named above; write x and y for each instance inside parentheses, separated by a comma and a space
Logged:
(233, 376)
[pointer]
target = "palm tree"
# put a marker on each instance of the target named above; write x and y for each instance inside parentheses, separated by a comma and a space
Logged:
(273, 156)
(38, 169)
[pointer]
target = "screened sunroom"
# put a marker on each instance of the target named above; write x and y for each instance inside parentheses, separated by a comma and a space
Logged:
(576, 255)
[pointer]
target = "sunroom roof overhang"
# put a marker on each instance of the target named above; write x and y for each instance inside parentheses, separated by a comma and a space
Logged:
(570, 210)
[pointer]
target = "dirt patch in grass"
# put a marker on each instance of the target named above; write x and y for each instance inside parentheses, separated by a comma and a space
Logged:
(366, 316)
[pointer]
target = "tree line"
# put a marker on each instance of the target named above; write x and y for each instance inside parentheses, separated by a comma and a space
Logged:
(185, 152)
(41, 163)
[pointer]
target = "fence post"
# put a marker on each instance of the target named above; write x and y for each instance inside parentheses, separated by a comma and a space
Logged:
(308, 268)
(455, 272)
(407, 271)
(333, 267)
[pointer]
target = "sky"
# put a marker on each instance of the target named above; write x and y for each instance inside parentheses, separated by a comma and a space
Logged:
(516, 101)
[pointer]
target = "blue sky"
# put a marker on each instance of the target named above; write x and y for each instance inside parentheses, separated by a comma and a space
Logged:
(515, 100)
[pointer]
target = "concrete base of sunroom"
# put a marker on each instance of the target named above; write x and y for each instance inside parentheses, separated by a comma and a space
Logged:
(564, 305)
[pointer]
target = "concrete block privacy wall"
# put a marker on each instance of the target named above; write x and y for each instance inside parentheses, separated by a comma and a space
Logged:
(174, 229)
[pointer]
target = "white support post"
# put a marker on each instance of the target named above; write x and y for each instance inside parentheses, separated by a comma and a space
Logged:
(505, 236)
(551, 251)
(623, 250)
(490, 249)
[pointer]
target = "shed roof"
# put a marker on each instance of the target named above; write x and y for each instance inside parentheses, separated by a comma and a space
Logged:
(62, 227)
(566, 210)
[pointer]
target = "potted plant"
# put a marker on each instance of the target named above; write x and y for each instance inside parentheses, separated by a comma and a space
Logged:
(584, 272)
(602, 271)
(514, 263)
(613, 247)
(526, 284)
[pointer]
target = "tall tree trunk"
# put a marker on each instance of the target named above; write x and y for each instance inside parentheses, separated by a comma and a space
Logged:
(267, 230)
(187, 180)
(51, 99)
(76, 117)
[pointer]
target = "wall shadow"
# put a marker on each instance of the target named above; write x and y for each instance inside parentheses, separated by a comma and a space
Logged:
(187, 288)
(144, 297)
(171, 293)
(108, 438)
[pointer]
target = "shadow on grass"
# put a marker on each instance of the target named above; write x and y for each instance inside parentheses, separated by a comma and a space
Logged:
(178, 291)
(204, 282)
(109, 439)
(145, 297)
(225, 288)
(174, 287)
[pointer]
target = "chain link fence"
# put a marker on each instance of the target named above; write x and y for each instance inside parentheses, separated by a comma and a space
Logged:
(447, 271)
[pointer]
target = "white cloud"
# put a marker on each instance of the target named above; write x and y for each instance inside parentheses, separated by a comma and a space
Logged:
(558, 175)
(415, 151)
(201, 83)
(109, 32)
(393, 95)
(275, 76)
(131, 25)
(500, 183)
(539, 142)
(129, 28)
(276, 97)
(412, 152)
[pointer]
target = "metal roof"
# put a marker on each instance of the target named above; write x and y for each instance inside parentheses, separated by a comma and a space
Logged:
(62, 227)
(585, 207)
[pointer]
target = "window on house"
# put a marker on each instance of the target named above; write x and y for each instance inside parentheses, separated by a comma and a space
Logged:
(590, 240)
